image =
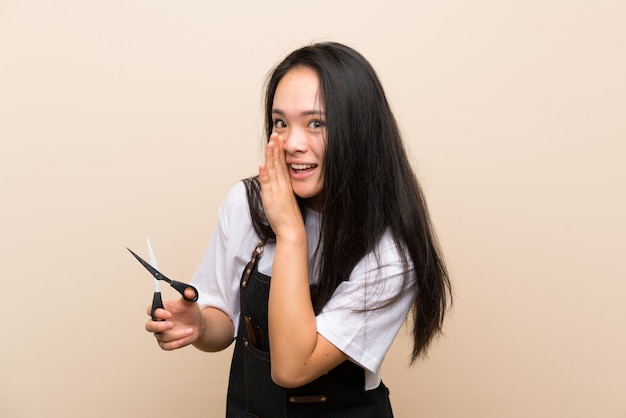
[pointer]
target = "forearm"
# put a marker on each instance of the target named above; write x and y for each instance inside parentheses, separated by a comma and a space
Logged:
(299, 353)
(216, 332)
(292, 325)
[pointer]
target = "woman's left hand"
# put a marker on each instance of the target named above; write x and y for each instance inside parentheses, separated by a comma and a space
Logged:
(279, 201)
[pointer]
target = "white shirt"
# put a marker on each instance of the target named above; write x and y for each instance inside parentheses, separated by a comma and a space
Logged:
(348, 320)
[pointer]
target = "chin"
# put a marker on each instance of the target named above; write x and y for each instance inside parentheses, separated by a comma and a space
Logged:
(306, 194)
(311, 200)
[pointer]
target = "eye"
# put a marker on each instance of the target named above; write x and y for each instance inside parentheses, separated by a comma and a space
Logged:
(316, 124)
(279, 124)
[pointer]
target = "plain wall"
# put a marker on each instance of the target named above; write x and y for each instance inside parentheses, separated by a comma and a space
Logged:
(121, 119)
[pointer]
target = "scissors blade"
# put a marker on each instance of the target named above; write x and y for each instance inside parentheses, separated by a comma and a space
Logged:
(154, 264)
(155, 273)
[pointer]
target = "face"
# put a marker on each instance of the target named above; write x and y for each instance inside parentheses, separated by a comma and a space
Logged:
(298, 116)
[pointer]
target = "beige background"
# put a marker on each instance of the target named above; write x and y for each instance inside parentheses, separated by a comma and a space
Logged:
(126, 118)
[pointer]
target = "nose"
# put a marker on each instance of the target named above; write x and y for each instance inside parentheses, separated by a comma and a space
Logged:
(295, 141)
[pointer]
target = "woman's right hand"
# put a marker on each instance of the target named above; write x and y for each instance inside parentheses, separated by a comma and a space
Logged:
(179, 324)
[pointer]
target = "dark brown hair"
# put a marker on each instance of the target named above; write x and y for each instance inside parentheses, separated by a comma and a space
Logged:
(369, 187)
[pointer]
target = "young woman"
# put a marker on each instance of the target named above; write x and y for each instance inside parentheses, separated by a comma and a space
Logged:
(337, 223)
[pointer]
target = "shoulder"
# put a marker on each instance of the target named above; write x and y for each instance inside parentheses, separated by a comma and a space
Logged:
(236, 201)
(236, 196)
(389, 258)
(234, 212)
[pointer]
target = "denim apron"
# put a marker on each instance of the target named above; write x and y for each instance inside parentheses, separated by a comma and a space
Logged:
(252, 393)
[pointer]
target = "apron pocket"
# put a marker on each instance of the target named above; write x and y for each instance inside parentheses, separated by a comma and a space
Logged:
(263, 397)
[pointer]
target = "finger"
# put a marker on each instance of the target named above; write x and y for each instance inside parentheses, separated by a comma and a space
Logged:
(269, 153)
(172, 341)
(263, 176)
(279, 172)
(174, 335)
(267, 171)
(189, 294)
(281, 157)
(158, 326)
(264, 168)
(159, 313)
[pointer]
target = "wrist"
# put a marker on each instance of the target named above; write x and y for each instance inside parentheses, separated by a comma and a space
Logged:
(292, 236)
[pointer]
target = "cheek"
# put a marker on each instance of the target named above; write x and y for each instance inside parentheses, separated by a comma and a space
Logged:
(320, 148)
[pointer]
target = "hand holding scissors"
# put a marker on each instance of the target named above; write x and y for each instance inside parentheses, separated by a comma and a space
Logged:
(157, 301)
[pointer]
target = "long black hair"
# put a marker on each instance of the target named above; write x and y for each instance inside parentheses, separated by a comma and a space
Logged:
(369, 187)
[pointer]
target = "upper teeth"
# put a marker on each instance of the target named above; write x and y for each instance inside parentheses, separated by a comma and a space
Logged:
(301, 166)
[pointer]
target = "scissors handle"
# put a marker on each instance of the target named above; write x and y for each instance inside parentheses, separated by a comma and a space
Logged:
(157, 302)
(181, 287)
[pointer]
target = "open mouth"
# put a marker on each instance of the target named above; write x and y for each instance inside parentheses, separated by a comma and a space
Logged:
(302, 168)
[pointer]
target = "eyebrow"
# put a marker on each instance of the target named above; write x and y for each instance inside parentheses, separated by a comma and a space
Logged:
(304, 113)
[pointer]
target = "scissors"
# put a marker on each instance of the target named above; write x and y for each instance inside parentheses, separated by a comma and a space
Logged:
(157, 301)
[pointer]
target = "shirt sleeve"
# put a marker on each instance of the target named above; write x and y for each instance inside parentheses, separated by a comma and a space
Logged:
(218, 275)
(353, 319)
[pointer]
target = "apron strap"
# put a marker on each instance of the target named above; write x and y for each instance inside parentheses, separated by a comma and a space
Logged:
(256, 254)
